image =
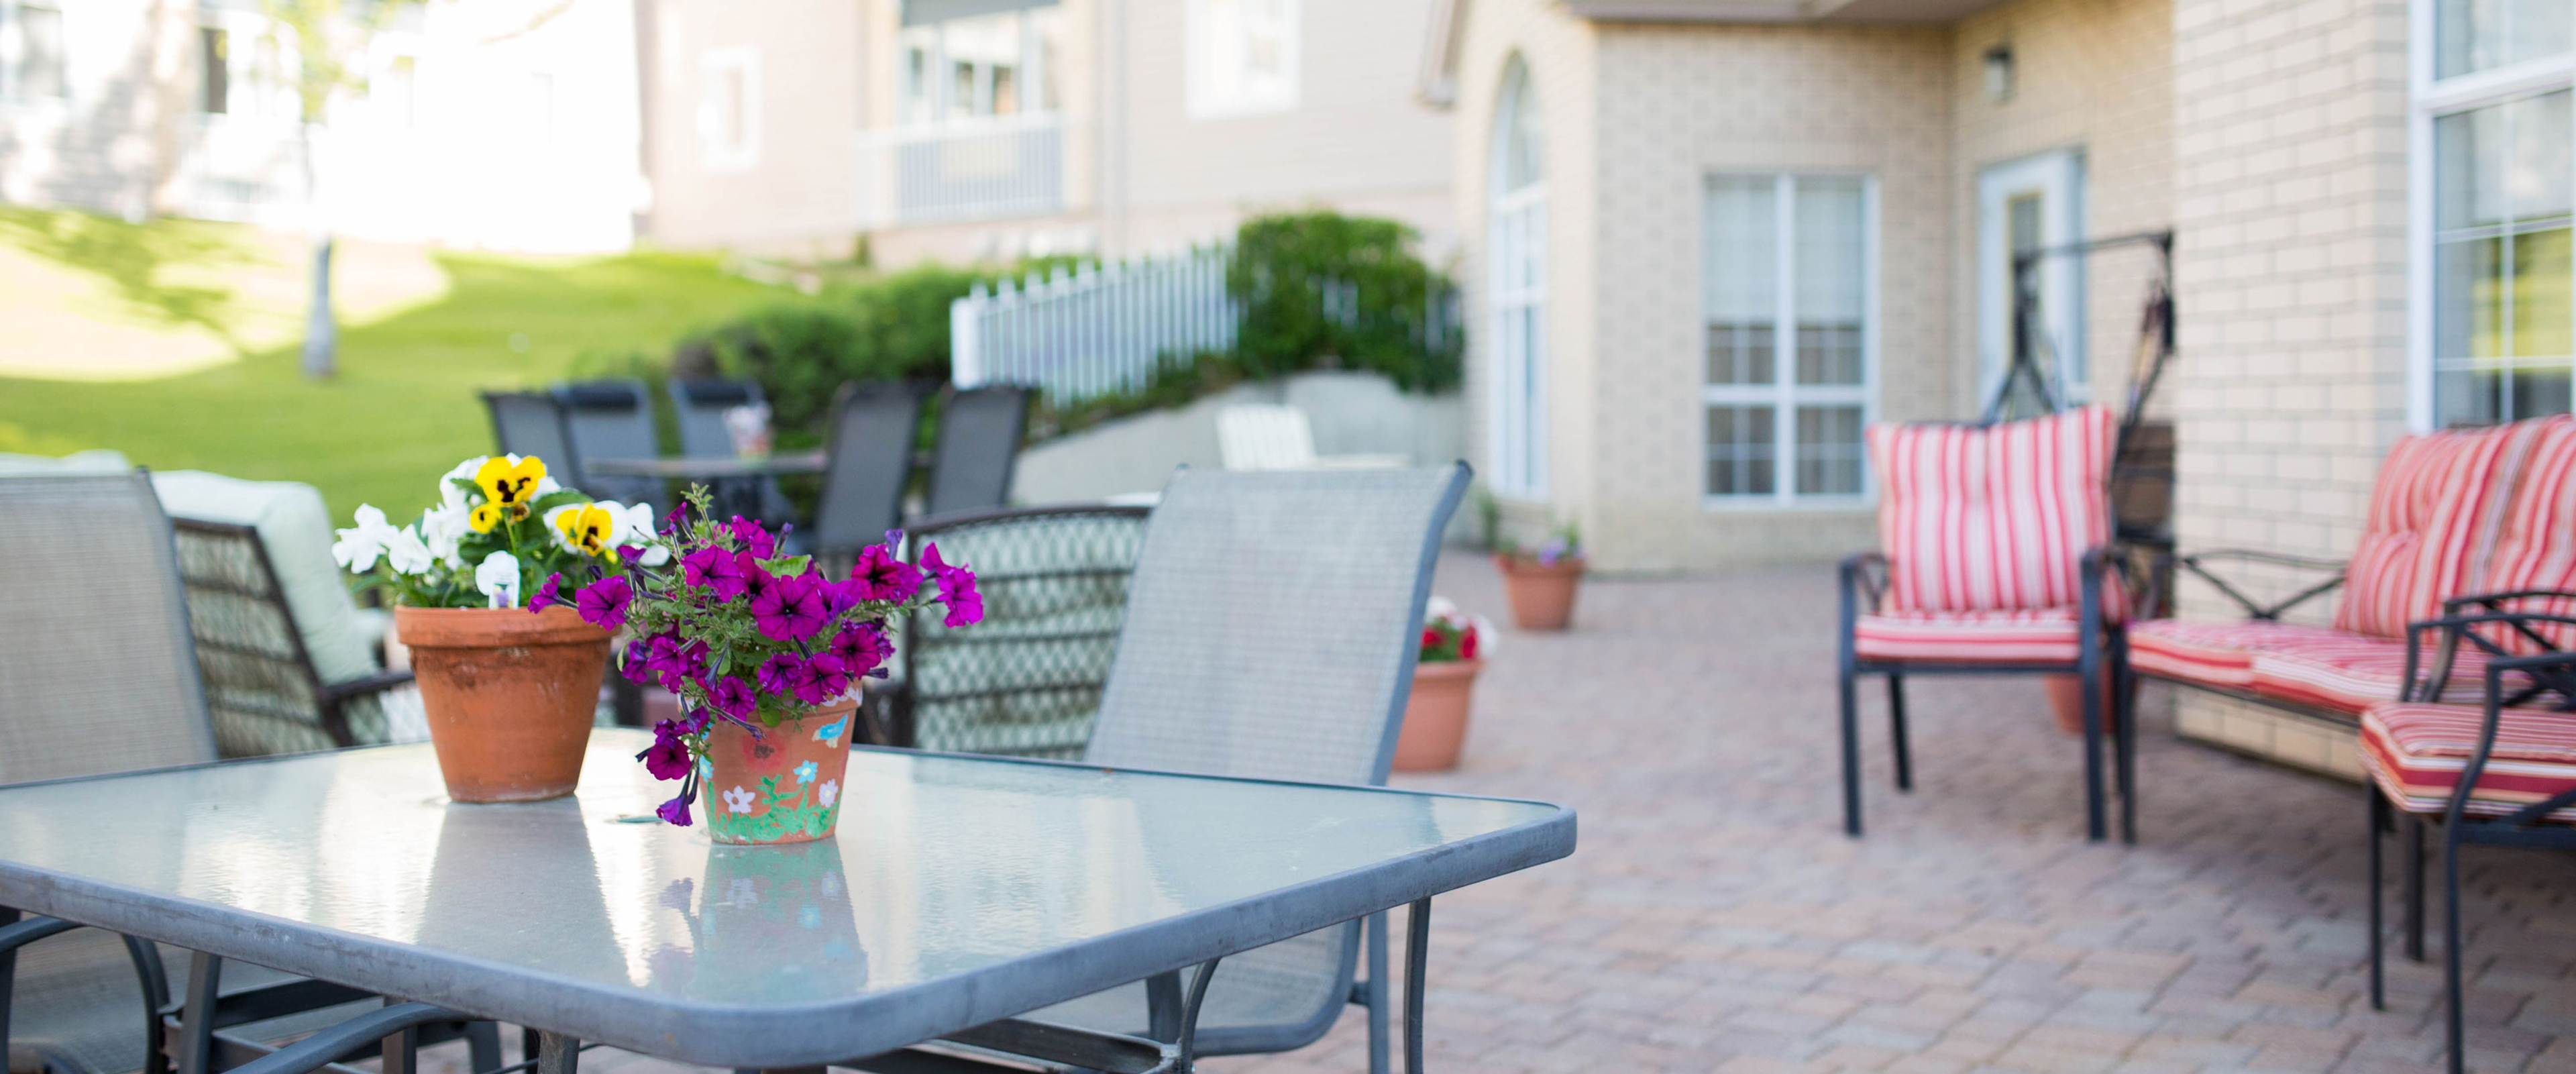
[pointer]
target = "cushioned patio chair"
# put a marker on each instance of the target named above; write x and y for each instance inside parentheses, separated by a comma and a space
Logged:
(2499, 770)
(977, 447)
(867, 465)
(1272, 624)
(1026, 680)
(609, 419)
(1994, 560)
(98, 675)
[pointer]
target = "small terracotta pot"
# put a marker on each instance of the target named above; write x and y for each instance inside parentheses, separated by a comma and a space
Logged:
(509, 696)
(1435, 716)
(782, 785)
(1541, 594)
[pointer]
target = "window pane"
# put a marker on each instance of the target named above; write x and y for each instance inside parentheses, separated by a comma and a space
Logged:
(1829, 450)
(214, 69)
(2474, 35)
(1832, 284)
(1741, 274)
(2492, 395)
(2540, 294)
(1740, 450)
(2468, 299)
(2504, 326)
(40, 59)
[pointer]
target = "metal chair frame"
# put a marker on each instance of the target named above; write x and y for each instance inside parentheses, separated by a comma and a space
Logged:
(1020, 397)
(333, 698)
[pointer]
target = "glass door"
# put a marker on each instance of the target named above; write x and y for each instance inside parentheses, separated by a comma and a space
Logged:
(2034, 203)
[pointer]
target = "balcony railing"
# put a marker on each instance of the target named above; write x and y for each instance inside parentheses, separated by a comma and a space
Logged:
(962, 170)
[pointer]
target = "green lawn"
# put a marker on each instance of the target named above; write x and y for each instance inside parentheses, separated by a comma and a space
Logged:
(403, 408)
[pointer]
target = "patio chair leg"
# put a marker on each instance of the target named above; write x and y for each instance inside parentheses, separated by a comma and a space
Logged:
(2455, 1020)
(2124, 739)
(400, 1053)
(1417, 956)
(2411, 834)
(155, 981)
(1851, 755)
(2378, 955)
(483, 1046)
(2094, 826)
(1377, 985)
(8, 976)
(557, 1054)
(197, 1016)
(1896, 731)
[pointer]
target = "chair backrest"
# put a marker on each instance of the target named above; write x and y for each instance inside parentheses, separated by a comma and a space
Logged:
(1992, 517)
(2428, 523)
(97, 673)
(977, 447)
(609, 419)
(701, 404)
(531, 423)
(1265, 436)
(867, 465)
(1026, 680)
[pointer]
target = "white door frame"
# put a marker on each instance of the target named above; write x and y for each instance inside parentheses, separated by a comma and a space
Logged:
(2057, 176)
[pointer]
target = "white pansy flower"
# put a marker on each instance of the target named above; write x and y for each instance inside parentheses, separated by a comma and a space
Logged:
(442, 528)
(406, 553)
(359, 546)
(498, 579)
(635, 527)
(449, 493)
(562, 540)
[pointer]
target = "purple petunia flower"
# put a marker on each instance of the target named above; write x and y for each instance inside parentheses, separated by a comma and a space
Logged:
(860, 649)
(715, 569)
(956, 588)
(668, 756)
(603, 603)
(790, 609)
(545, 594)
(635, 667)
(782, 673)
(838, 598)
(880, 576)
(683, 662)
(733, 697)
(676, 811)
(754, 539)
(755, 578)
(825, 681)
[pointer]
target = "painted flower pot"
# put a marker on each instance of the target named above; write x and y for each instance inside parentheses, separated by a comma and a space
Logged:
(782, 784)
(1541, 594)
(509, 696)
(1435, 716)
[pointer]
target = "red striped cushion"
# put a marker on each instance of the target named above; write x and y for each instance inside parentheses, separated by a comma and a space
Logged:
(1992, 518)
(2416, 753)
(2215, 654)
(2350, 673)
(2431, 512)
(2535, 539)
(2042, 634)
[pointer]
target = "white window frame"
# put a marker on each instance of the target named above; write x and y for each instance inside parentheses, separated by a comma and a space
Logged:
(744, 153)
(1784, 395)
(1516, 250)
(2434, 98)
(2059, 175)
(1201, 98)
(944, 111)
(13, 52)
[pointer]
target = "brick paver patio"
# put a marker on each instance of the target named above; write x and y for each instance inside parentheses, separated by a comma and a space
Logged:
(1714, 917)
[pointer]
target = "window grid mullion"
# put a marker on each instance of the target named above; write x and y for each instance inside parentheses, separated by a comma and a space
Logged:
(1784, 335)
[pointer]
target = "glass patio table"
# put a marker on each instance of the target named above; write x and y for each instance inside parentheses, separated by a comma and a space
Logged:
(734, 483)
(958, 892)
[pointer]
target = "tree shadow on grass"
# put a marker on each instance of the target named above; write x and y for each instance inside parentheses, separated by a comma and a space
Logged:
(132, 258)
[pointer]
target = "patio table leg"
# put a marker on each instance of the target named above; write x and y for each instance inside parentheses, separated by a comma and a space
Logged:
(197, 1013)
(1417, 954)
(401, 1050)
(557, 1053)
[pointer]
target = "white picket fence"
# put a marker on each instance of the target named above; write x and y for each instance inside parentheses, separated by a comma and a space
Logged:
(1095, 330)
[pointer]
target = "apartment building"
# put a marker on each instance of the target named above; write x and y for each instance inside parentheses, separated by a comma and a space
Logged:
(977, 130)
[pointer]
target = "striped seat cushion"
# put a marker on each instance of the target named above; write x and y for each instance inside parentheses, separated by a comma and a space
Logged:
(2431, 515)
(1993, 518)
(2416, 753)
(2213, 654)
(1987, 637)
(2350, 673)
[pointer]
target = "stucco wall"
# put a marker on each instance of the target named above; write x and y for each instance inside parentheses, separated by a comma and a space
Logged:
(802, 192)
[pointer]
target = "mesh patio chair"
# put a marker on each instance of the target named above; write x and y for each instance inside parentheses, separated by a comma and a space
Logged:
(978, 445)
(867, 465)
(531, 423)
(1026, 681)
(1272, 624)
(701, 404)
(98, 675)
(262, 683)
(610, 419)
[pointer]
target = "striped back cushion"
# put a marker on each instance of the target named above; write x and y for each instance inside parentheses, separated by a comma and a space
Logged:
(2431, 514)
(1992, 518)
(2535, 538)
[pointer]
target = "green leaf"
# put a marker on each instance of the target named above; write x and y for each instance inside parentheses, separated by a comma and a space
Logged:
(784, 566)
(555, 499)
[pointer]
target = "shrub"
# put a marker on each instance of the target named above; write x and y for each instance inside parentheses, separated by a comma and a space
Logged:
(893, 327)
(1323, 290)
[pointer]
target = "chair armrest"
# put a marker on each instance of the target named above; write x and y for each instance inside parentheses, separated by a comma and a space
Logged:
(2452, 629)
(377, 683)
(2197, 564)
(2493, 601)
(1866, 572)
(13, 937)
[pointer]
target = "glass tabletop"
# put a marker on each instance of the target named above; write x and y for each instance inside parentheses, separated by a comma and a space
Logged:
(942, 867)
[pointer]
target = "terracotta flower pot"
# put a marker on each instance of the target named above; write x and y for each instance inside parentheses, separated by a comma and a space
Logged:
(1541, 594)
(509, 696)
(1435, 716)
(2066, 700)
(782, 785)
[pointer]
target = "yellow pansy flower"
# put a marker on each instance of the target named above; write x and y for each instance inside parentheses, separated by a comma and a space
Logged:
(587, 527)
(510, 484)
(484, 517)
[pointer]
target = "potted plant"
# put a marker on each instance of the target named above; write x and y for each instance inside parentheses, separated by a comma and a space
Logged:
(1454, 646)
(1539, 583)
(509, 696)
(766, 653)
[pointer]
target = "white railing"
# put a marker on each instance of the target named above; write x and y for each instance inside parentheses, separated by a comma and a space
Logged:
(1096, 330)
(962, 170)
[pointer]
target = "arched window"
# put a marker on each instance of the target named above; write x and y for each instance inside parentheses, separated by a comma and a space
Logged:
(1516, 288)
